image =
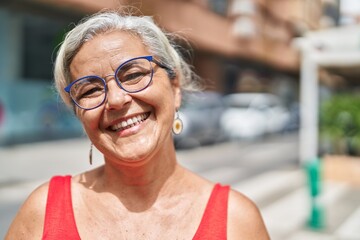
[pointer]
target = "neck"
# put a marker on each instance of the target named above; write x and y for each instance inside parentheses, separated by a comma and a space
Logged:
(157, 169)
(138, 187)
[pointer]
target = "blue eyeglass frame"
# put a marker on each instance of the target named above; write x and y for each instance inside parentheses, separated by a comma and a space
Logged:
(149, 58)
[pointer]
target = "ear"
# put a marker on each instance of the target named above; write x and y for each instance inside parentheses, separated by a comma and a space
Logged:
(177, 92)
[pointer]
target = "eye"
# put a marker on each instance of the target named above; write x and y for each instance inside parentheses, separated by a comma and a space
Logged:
(92, 92)
(134, 72)
(88, 88)
(133, 78)
(133, 75)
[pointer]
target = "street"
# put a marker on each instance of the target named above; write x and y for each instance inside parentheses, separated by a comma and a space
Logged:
(232, 162)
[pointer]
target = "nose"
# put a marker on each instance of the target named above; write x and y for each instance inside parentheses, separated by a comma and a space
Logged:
(117, 98)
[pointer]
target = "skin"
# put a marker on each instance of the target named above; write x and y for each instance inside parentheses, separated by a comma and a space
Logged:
(141, 192)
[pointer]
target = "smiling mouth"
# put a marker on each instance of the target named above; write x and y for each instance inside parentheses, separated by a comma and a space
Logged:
(130, 122)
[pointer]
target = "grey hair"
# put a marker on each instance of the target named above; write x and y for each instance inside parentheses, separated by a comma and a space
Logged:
(156, 41)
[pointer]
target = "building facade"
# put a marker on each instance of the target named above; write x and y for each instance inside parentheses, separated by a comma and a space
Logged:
(238, 45)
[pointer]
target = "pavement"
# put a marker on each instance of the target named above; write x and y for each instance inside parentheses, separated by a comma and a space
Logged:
(281, 192)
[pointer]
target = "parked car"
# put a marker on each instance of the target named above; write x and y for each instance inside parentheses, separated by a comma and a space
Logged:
(253, 115)
(200, 113)
(294, 120)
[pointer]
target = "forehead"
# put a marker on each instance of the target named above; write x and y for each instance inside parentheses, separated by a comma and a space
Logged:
(107, 50)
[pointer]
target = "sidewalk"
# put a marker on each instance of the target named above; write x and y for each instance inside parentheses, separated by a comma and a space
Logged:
(284, 201)
(281, 194)
(35, 161)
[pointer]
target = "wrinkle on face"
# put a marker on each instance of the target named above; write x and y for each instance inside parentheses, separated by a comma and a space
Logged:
(105, 56)
(101, 56)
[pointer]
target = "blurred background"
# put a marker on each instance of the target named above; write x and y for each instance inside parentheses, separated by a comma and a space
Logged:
(279, 118)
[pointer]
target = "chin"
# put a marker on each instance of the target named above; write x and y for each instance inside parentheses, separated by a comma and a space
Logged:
(127, 161)
(135, 157)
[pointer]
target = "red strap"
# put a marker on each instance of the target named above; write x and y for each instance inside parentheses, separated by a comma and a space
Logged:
(59, 216)
(213, 225)
(60, 222)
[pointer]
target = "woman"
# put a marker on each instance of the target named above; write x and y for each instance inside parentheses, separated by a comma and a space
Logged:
(123, 78)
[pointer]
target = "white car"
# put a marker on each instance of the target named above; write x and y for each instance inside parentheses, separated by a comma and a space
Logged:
(200, 113)
(253, 115)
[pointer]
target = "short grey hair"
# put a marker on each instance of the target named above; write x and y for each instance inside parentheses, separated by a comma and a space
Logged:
(157, 42)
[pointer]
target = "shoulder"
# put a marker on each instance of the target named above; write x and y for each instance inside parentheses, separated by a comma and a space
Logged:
(29, 221)
(244, 219)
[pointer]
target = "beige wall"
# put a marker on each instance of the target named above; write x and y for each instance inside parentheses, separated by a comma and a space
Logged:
(306, 11)
(208, 31)
(86, 6)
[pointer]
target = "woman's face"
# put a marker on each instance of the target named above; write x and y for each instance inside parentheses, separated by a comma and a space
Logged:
(154, 106)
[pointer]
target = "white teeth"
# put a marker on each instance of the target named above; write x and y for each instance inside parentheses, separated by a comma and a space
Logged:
(129, 122)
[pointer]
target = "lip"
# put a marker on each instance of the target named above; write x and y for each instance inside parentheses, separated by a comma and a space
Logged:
(128, 122)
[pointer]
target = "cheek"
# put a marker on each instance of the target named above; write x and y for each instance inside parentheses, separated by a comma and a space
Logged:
(164, 104)
(90, 120)
(166, 96)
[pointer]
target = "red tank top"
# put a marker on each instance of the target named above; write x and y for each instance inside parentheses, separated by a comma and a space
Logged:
(60, 221)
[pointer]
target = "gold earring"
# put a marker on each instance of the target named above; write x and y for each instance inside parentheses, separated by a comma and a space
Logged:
(90, 154)
(177, 124)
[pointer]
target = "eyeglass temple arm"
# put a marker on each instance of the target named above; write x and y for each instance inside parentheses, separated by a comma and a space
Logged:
(171, 72)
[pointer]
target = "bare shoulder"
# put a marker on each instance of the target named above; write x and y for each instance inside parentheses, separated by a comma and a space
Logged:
(29, 221)
(244, 220)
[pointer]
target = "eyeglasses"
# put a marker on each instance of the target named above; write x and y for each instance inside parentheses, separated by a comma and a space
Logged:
(134, 75)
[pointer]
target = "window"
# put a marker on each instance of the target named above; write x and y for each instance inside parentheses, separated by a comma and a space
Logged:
(40, 37)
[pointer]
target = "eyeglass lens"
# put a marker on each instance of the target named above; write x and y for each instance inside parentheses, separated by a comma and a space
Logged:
(132, 76)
